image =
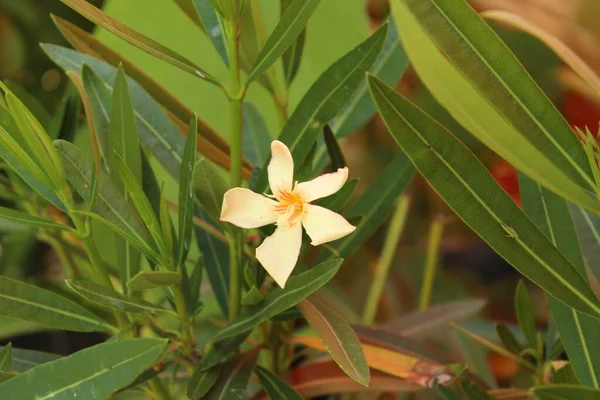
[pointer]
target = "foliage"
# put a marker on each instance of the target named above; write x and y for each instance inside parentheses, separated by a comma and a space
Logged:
(128, 191)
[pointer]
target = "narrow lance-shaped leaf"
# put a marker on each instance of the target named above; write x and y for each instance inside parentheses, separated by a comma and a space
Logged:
(216, 259)
(154, 279)
(142, 204)
(186, 194)
(109, 298)
(338, 337)
(30, 303)
(213, 25)
(293, 55)
(290, 25)
(515, 118)
(98, 371)
(375, 205)
(333, 149)
(565, 392)
(296, 289)
(189, 8)
(123, 141)
(110, 204)
(275, 387)
(138, 40)
(234, 376)
(325, 98)
(469, 189)
(257, 139)
(6, 358)
(23, 359)
(221, 351)
(21, 162)
(525, 316)
(389, 66)
(201, 382)
(210, 187)
(21, 218)
(578, 332)
(101, 105)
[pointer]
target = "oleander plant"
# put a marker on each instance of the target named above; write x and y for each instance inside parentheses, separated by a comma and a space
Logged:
(264, 261)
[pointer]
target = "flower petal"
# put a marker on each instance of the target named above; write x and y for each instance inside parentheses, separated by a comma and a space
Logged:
(246, 209)
(323, 186)
(323, 225)
(281, 168)
(279, 252)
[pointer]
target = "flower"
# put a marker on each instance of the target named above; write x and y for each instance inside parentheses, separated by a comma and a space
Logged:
(290, 208)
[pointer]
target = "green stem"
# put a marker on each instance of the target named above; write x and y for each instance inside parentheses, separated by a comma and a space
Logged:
(236, 98)
(436, 231)
(159, 390)
(186, 326)
(387, 255)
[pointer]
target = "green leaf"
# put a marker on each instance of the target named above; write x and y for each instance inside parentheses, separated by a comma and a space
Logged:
(138, 40)
(257, 139)
(476, 357)
(166, 226)
(30, 303)
(252, 297)
(325, 98)
(290, 25)
(123, 142)
(23, 359)
(37, 141)
(297, 289)
(338, 337)
(213, 25)
(95, 372)
(525, 316)
(111, 299)
(587, 226)
(6, 358)
(499, 102)
(472, 391)
(110, 205)
(141, 203)
(508, 339)
(333, 149)
(156, 131)
(209, 187)
(21, 218)
(101, 103)
(202, 381)
(20, 161)
(221, 351)
(565, 375)
(154, 279)
(565, 392)
(234, 376)
(469, 189)
(376, 204)
(275, 387)
(191, 284)
(30, 102)
(435, 318)
(186, 194)
(293, 55)
(578, 332)
(389, 66)
(216, 259)
(338, 200)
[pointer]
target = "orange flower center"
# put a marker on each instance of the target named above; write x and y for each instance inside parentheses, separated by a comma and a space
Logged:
(290, 207)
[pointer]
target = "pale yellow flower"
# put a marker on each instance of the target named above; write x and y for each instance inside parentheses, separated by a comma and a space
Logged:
(289, 208)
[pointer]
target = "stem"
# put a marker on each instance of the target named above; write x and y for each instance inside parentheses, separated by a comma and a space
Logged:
(435, 238)
(236, 97)
(387, 255)
(186, 326)
(159, 390)
(63, 254)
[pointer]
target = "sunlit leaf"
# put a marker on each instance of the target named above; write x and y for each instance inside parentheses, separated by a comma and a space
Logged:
(337, 336)
(138, 40)
(469, 189)
(153, 279)
(98, 371)
(109, 298)
(30, 303)
(297, 288)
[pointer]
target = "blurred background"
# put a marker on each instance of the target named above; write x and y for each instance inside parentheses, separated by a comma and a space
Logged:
(468, 268)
